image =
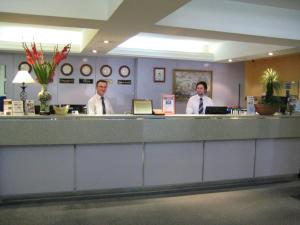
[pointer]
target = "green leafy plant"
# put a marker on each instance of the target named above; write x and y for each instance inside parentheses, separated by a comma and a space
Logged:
(271, 86)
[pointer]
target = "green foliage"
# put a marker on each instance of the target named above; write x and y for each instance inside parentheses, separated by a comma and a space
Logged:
(271, 86)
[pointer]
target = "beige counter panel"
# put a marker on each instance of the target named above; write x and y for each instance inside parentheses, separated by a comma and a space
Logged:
(51, 130)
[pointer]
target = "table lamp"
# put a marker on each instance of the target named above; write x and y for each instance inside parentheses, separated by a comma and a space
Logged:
(23, 77)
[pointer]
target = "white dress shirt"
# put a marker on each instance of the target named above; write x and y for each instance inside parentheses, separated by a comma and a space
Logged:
(94, 105)
(192, 106)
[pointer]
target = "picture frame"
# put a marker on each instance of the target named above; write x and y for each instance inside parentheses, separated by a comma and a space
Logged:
(159, 74)
(168, 104)
(184, 83)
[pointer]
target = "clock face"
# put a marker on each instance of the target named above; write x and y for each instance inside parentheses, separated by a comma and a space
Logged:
(105, 70)
(66, 69)
(86, 69)
(25, 66)
(124, 71)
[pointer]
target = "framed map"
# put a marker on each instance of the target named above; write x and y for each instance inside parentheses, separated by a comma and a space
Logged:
(184, 83)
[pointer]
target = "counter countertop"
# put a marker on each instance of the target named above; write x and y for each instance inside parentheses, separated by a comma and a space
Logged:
(83, 129)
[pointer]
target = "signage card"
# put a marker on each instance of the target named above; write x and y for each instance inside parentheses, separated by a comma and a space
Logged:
(7, 107)
(86, 81)
(29, 107)
(250, 105)
(17, 108)
(66, 80)
(168, 104)
(124, 82)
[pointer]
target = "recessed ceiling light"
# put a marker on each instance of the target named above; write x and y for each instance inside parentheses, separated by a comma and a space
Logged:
(270, 53)
(94, 51)
(106, 41)
(229, 60)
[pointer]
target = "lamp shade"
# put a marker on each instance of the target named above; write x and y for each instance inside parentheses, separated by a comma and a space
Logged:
(23, 76)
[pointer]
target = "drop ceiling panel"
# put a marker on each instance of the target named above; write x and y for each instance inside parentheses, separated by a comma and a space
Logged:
(87, 9)
(236, 17)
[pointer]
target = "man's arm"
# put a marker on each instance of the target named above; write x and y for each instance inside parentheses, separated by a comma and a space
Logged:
(91, 107)
(109, 108)
(189, 107)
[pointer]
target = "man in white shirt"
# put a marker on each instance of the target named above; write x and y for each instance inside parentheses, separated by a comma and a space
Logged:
(98, 104)
(197, 103)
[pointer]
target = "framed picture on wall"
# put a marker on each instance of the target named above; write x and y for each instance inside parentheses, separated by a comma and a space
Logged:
(184, 83)
(159, 74)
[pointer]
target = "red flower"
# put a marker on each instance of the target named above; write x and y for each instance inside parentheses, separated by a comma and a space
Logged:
(34, 52)
(44, 70)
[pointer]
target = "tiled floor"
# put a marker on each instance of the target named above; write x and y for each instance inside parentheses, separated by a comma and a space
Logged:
(260, 205)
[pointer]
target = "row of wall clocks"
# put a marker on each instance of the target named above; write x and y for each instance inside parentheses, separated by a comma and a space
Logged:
(85, 69)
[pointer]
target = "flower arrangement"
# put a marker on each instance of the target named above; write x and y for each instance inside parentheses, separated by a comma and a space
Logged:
(269, 104)
(271, 84)
(45, 70)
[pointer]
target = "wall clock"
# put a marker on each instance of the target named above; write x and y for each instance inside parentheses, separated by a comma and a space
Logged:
(105, 70)
(25, 66)
(66, 69)
(86, 70)
(124, 71)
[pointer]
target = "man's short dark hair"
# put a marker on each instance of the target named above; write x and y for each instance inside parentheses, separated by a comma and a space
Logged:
(203, 83)
(102, 81)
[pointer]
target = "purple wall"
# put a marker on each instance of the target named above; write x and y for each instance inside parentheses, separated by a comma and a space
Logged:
(226, 80)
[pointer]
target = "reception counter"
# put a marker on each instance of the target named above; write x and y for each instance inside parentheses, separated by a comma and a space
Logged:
(69, 154)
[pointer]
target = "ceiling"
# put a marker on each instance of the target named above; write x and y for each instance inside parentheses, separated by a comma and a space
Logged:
(206, 30)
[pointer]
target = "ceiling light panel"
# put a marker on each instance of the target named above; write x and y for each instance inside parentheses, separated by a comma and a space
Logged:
(40, 35)
(156, 42)
(236, 17)
(12, 35)
(93, 9)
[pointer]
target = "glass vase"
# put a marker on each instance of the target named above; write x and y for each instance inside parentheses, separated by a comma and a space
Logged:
(44, 97)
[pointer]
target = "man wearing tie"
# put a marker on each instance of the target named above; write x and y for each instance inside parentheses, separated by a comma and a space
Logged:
(197, 103)
(98, 104)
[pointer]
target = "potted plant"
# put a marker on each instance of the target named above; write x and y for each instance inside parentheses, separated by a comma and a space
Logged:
(269, 103)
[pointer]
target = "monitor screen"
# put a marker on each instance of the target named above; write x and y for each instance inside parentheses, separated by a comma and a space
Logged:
(216, 110)
(142, 107)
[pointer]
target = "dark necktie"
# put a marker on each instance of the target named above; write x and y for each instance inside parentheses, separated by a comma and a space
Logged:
(103, 106)
(201, 106)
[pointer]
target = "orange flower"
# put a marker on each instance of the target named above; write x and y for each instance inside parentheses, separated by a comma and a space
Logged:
(45, 70)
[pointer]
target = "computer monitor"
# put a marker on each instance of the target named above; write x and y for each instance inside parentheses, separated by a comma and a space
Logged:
(1, 102)
(142, 107)
(216, 110)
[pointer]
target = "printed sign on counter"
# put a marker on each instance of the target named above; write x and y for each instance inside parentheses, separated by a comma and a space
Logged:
(250, 105)
(168, 104)
(29, 106)
(17, 108)
(7, 107)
